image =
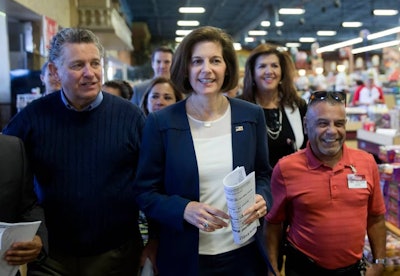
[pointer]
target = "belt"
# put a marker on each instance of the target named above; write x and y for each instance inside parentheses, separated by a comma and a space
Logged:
(303, 265)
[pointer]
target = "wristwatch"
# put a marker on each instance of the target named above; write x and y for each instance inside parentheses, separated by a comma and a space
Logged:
(379, 261)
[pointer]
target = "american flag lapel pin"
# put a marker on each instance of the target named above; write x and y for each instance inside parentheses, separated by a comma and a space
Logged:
(239, 128)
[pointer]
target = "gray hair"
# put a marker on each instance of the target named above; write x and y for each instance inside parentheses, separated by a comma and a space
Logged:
(71, 35)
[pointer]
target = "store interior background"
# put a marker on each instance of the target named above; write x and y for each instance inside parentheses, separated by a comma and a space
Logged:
(131, 29)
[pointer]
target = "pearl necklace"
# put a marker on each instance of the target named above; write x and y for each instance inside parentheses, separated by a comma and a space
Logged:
(275, 134)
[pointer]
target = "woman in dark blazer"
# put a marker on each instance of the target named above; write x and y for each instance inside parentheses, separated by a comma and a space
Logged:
(187, 149)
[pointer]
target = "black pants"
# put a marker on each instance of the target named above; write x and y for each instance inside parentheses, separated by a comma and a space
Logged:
(121, 261)
(298, 264)
(245, 261)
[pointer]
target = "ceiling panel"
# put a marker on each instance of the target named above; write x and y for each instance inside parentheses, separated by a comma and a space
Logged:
(239, 16)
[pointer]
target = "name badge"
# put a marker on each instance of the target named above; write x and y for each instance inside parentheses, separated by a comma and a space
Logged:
(356, 181)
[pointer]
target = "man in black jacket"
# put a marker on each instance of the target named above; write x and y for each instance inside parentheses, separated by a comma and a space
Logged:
(18, 202)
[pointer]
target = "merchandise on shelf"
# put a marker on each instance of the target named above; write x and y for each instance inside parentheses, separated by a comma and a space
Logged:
(390, 184)
(392, 252)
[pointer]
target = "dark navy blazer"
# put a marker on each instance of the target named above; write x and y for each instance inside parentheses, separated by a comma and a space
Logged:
(167, 177)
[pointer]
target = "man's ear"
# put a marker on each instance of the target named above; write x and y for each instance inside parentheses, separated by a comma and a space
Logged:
(53, 71)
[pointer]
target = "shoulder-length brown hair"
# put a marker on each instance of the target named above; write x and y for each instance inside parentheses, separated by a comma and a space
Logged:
(286, 87)
(183, 55)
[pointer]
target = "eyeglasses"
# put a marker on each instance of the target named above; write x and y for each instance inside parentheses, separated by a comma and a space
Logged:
(325, 95)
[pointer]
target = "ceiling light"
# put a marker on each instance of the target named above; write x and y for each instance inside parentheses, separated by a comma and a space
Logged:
(192, 10)
(178, 39)
(291, 11)
(249, 39)
(185, 23)
(279, 23)
(237, 46)
(340, 68)
(326, 33)
(183, 32)
(375, 46)
(385, 12)
(302, 72)
(293, 45)
(258, 32)
(354, 24)
(384, 33)
(319, 70)
(265, 23)
(307, 39)
(335, 46)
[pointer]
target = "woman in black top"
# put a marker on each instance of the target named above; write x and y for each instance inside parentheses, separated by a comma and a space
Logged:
(269, 82)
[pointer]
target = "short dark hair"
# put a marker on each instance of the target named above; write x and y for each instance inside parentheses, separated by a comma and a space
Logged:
(164, 49)
(123, 86)
(71, 35)
(183, 55)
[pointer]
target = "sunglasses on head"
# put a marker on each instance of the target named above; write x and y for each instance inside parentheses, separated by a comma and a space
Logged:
(324, 95)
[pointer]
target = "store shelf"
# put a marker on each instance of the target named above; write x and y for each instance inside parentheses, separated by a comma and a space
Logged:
(392, 250)
(371, 141)
(392, 228)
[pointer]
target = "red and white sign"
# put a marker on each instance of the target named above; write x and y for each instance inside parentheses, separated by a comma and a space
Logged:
(50, 28)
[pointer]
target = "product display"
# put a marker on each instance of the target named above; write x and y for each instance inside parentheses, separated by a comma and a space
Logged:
(392, 261)
(390, 184)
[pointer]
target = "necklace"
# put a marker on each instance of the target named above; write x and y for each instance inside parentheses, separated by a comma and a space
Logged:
(277, 124)
(203, 115)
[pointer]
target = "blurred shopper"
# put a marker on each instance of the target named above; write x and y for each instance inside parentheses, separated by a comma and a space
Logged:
(84, 147)
(118, 88)
(368, 93)
(49, 81)
(161, 59)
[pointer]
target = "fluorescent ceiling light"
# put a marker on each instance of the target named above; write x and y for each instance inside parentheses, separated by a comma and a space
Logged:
(249, 39)
(384, 33)
(258, 32)
(375, 46)
(319, 70)
(335, 46)
(354, 24)
(385, 12)
(265, 23)
(279, 23)
(326, 33)
(291, 11)
(192, 10)
(178, 39)
(340, 68)
(182, 32)
(302, 72)
(307, 39)
(293, 45)
(186, 23)
(237, 46)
